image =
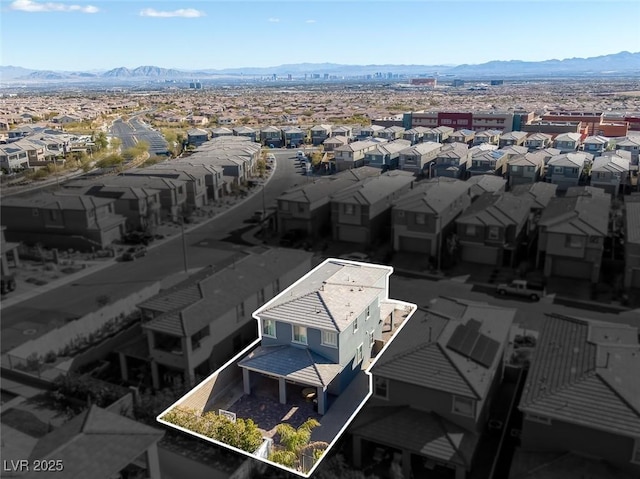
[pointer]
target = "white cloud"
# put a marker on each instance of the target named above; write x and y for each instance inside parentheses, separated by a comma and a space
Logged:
(310, 21)
(31, 6)
(273, 20)
(182, 12)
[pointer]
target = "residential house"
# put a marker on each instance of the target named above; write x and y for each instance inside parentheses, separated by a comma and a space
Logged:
(330, 144)
(319, 133)
(246, 131)
(418, 158)
(632, 243)
(462, 136)
(13, 158)
(323, 330)
(610, 172)
(452, 161)
(423, 217)
(539, 193)
(198, 120)
(62, 220)
(98, 443)
(412, 135)
(271, 136)
(9, 257)
(352, 155)
(342, 130)
(433, 388)
(630, 144)
(391, 133)
(212, 174)
(512, 138)
(571, 233)
(524, 169)
(481, 184)
(293, 136)
(492, 228)
(486, 162)
(199, 324)
(197, 136)
(369, 131)
(361, 213)
(386, 156)
(567, 169)
(595, 144)
(440, 134)
(567, 142)
(538, 141)
(491, 137)
(307, 207)
(581, 393)
(221, 131)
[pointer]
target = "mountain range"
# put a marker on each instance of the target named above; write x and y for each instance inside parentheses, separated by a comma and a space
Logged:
(623, 63)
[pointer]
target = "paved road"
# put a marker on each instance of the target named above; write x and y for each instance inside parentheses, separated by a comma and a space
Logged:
(204, 244)
(125, 132)
(135, 130)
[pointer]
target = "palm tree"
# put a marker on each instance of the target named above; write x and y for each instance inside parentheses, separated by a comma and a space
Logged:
(296, 443)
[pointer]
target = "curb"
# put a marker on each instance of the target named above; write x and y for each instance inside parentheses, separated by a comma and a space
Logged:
(17, 299)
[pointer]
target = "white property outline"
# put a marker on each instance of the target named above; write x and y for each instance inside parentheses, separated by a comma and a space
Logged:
(413, 308)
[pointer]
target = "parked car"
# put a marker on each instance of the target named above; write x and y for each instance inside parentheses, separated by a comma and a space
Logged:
(291, 237)
(137, 237)
(8, 283)
(521, 287)
(134, 252)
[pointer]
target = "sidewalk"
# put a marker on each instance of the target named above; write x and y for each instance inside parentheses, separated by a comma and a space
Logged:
(212, 213)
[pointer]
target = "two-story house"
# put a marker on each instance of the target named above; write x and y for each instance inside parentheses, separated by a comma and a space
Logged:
(452, 161)
(246, 131)
(319, 133)
(197, 136)
(293, 136)
(343, 130)
(492, 228)
(221, 131)
(422, 217)
(481, 184)
(413, 135)
(567, 169)
(567, 142)
(198, 325)
(632, 243)
(486, 162)
(581, 395)
(13, 158)
(333, 142)
(307, 207)
(512, 138)
(351, 155)
(524, 169)
(62, 220)
(610, 172)
(440, 134)
(271, 136)
(368, 132)
(361, 213)
(571, 234)
(491, 137)
(416, 159)
(462, 136)
(631, 144)
(538, 141)
(595, 145)
(433, 387)
(322, 330)
(386, 156)
(391, 133)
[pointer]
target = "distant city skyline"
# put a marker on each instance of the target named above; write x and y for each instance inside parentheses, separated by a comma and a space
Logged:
(190, 35)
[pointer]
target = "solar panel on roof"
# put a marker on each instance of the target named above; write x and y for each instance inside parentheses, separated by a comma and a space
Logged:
(455, 341)
(484, 351)
(469, 342)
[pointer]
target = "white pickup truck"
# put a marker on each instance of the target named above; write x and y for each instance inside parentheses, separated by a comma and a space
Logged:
(520, 287)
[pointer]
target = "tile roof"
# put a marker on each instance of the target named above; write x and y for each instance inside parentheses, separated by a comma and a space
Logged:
(432, 196)
(58, 201)
(486, 184)
(497, 210)
(296, 364)
(632, 235)
(374, 190)
(419, 432)
(331, 297)
(539, 192)
(96, 443)
(580, 215)
(585, 372)
(610, 163)
(421, 149)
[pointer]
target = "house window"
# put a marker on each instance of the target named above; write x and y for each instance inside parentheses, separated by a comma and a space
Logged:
(536, 418)
(557, 169)
(300, 207)
(276, 286)
(515, 168)
(635, 458)
(470, 230)
(368, 312)
(359, 355)
(349, 209)
(53, 214)
(197, 337)
(494, 232)
(594, 240)
(381, 388)
(269, 328)
(284, 205)
(240, 311)
(531, 169)
(329, 338)
(299, 334)
(261, 296)
(463, 406)
(355, 325)
(573, 241)
(372, 338)
(420, 218)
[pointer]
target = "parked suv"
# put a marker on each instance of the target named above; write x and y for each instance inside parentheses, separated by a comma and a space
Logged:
(134, 252)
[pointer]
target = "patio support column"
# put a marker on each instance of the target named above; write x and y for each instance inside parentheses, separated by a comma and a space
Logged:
(322, 399)
(155, 376)
(357, 451)
(153, 462)
(283, 390)
(246, 380)
(124, 374)
(406, 463)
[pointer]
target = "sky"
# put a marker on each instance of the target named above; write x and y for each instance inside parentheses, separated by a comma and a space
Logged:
(91, 35)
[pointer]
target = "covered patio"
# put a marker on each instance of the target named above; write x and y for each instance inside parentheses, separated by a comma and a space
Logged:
(288, 364)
